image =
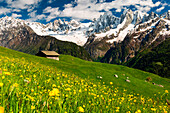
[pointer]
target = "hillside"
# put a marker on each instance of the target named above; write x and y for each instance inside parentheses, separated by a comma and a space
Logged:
(31, 83)
(86, 69)
(154, 60)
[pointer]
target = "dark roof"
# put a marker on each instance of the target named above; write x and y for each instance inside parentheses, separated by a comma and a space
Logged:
(50, 53)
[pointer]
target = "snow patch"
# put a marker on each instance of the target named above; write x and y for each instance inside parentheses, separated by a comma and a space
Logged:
(165, 32)
(151, 26)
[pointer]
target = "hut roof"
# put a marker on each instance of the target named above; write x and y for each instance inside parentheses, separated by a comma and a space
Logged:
(50, 53)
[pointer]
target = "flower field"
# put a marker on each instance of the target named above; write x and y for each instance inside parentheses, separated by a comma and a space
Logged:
(36, 88)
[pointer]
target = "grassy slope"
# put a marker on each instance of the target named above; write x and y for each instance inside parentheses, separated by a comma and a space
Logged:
(91, 70)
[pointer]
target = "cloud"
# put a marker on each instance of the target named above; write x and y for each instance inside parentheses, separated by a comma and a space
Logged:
(22, 4)
(37, 17)
(80, 12)
(32, 14)
(160, 9)
(14, 15)
(84, 9)
(4, 10)
(31, 8)
(118, 10)
(50, 1)
(143, 9)
(53, 13)
(16, 10)
(89, 9)
(157, 4)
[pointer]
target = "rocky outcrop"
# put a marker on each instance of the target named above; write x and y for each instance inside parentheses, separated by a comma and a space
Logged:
(134, 43)
(97, 48)
(97, 44)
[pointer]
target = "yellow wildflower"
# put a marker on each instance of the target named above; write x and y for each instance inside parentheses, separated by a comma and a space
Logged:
(81, 109)
(165, 111)
(15, 85)
(111, 83)
(122, 98)
(54, 85)
(117, 107)
(153, 109)
(32, 90)
(138, 111)
(68, 89)
(54, 92)
(1, 109)
(117, 110)
(80, 91)
(32, 107)
(3, 77)
(1, 84)
(166, 91)
(7, 73)
(85, 89)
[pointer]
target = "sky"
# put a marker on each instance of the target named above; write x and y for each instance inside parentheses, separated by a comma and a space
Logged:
(46, 11)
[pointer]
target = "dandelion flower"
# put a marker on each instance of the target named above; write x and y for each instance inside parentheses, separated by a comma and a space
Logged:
(138, 111)
(153, 109)
(81, 109)
(1, 84)
(54, 92)
(3, 77)
(68, 89)
(32, 107)
(7, 73)
(166, 91)
(1, 109)
(117, 110)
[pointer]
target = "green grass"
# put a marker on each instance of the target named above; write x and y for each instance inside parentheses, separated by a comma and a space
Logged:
(28, 81)
(87, 69)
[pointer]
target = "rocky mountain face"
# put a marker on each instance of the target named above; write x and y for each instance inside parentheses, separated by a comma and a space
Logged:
(108, 31)
(166, 15)
(22, 38)
(96, 44)
(138, 41)
(154, 59)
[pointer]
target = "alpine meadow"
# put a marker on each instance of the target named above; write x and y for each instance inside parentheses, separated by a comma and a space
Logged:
(35, 84)
(84, 56)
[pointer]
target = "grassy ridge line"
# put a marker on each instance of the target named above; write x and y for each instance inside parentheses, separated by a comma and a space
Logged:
(87, 69)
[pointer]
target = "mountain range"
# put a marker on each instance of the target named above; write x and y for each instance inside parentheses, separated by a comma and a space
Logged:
(107, 39)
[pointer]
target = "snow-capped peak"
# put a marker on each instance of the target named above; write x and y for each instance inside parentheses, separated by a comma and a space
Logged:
(103, 23)
(9, 22)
